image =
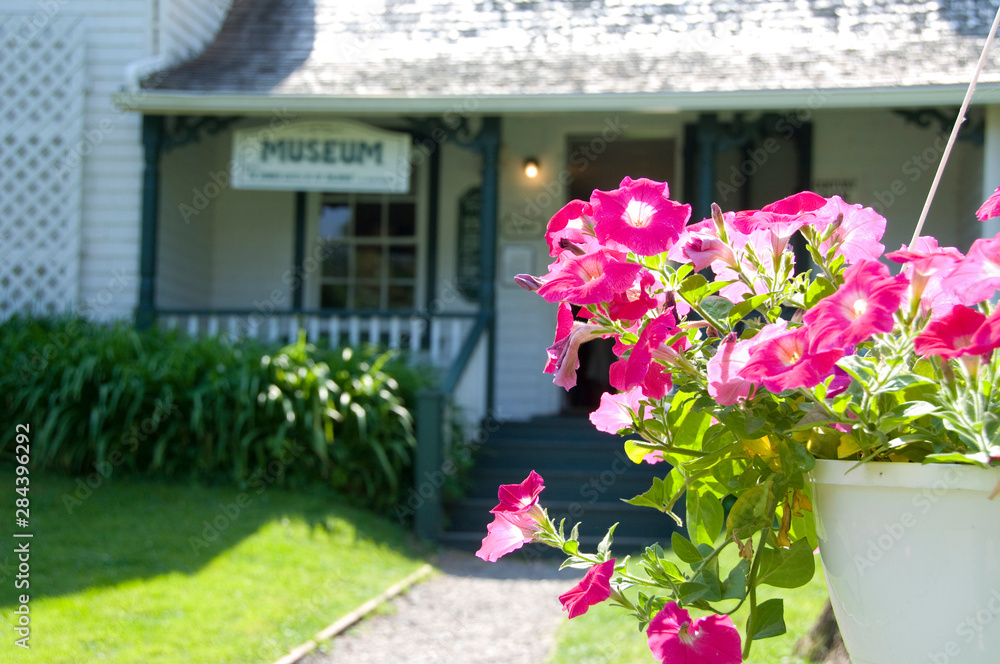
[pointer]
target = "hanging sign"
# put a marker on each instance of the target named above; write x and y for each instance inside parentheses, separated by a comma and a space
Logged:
(322, 156)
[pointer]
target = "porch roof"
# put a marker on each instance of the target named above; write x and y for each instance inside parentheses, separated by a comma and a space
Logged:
(344, 54)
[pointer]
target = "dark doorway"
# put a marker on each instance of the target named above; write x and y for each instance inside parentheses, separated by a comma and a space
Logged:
(598, 164)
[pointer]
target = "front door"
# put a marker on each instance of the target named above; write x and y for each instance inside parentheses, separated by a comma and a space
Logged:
(597, 164)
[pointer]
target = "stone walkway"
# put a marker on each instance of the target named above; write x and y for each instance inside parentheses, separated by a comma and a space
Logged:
(474, 612)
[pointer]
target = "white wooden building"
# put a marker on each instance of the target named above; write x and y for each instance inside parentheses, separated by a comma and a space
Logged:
(122, 122)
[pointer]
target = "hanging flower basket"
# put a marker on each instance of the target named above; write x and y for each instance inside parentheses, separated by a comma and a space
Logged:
(884, 530)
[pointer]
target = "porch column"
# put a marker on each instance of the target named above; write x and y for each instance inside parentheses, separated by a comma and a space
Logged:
(152, 143)
(991, 166)
(489, 138)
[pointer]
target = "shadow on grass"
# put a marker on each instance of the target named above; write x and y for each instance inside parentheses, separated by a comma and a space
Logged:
(132, 528)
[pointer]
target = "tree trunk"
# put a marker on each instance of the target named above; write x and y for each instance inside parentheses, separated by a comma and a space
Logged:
(823, 644)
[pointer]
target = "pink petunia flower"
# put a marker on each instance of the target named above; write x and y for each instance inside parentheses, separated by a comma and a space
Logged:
(636, 301)
(788, 361)
(564, 353)
(515, 518)
(990, 208)
(594, 588)
(615, 411)
(589, 279)
(638, 215)
(858, 234)
(507, 533)
(926, 264)
(864, 305)
(675, 638)
(520, 498)
(639, 368)
(724, 381)
(569, 224)
(976, 277)
(955, 334)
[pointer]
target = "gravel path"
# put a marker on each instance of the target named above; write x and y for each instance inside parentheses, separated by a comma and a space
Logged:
(473, 613)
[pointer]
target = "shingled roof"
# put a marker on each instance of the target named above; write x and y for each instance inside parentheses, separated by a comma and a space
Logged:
(439, 48)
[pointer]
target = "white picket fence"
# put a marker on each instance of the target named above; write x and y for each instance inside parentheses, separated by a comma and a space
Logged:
(439, 338)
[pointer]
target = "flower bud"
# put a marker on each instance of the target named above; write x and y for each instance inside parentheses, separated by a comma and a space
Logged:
(528, 282)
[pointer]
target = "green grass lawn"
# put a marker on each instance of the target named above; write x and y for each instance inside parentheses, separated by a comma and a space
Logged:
(609, 635)
(146, 572)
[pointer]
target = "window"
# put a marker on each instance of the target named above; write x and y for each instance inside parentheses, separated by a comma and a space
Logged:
(370, 248)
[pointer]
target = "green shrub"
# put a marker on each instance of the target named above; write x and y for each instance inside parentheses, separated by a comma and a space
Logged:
(162, 403)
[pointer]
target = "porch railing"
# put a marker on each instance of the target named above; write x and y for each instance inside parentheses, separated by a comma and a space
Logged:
(438, 337)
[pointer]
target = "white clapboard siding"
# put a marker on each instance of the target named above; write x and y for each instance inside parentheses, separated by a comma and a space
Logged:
(42, 79)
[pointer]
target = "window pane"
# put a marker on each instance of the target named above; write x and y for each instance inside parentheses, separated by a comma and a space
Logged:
(336, 262)
(401, 297)
(402, 219)
(333, 296)
(369, 261)
(367, 296)
(367, 220)
(402, 262)
(334, 221)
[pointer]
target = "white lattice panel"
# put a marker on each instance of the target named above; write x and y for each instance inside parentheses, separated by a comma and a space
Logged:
(41, 161)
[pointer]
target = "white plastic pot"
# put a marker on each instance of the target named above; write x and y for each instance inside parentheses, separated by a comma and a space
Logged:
(912, 559)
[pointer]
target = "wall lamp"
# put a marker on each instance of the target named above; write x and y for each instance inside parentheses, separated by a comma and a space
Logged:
(531, 167)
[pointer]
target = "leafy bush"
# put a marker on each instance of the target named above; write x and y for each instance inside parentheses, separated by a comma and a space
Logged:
(159, 402)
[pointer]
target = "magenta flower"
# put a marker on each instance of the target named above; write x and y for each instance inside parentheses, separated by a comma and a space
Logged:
(957, 333)
(926, 264)
(515, 518)
(858, 234)
(704, 250)
(520, 498)
(636, 301)
(638, 215)
(864, 305)
(615, 411)
(991, 208)
(675, 638)
(781, 219)
(787, 362)
(976, 277)
(589, 279)
(569, 224)
(639, 368)
(724, 381)
(594, 588)
(564, 353)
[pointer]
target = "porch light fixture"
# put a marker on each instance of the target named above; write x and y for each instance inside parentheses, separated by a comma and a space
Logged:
(531, 167)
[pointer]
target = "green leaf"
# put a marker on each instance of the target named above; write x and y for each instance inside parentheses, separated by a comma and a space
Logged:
(787, 568)
(767, 621)
(748, 511)
(904, 413)
(684, 549)
(746, 306)
(694, 288)
(691, 591)
(705, 517)
(818, 290)
(717, 307)
(735, 585)
(605, 546)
